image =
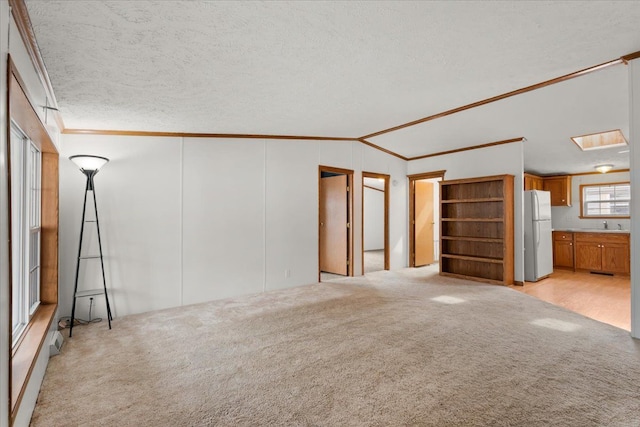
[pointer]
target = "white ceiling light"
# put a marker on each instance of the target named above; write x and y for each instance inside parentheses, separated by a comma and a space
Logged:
(604, 168)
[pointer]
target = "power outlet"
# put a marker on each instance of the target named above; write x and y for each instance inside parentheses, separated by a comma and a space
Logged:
(287, 273)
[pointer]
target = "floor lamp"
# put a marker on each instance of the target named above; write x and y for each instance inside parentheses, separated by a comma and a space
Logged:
(89, 165)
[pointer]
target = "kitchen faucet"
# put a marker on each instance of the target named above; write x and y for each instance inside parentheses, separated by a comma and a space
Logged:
(619, 226)
(606, 225)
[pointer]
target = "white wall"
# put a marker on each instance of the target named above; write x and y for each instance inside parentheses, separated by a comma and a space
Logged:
(28, 404)
(373, 219)
(291, 233)
(138, 195)
(634, 124)
(569, 216)
(496, 160)
(192, 220)
(223, 219)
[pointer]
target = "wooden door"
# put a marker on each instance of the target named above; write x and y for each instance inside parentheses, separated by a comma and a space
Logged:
(334, 218)
(615, 258)
(423, 226)
(588, 256)
(562, 253)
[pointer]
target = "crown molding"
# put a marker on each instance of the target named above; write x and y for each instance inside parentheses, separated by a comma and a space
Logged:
(540, 85)
(630, 57)
(384, 150)
(201, 135)
(472, 147)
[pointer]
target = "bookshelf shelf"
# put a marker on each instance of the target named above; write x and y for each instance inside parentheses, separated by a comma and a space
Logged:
(476, 229)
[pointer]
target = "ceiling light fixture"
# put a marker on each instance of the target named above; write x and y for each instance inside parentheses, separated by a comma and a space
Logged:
(604, 168)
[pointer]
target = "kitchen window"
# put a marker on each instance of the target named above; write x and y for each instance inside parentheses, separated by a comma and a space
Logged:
(605, 200)
(25, 231)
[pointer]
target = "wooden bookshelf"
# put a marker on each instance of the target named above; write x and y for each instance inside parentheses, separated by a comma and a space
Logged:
(476, 229)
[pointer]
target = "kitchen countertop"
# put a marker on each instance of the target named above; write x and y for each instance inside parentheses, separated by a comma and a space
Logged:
(591, 230)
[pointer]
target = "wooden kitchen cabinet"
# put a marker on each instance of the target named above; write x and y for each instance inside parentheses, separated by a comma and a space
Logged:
(563, 249)
(602, 252)
(533, 182)
(560, 188)
(615, 258)
(588, 256)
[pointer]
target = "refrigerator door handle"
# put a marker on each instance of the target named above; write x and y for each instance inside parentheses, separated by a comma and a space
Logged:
(536, 206)
(537, 234)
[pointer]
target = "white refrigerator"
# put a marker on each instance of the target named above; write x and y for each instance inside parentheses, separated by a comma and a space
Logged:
(538, 249)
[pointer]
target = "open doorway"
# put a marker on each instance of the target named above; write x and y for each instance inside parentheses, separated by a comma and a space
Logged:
(424, 214)
(375, 222)
(335, 216)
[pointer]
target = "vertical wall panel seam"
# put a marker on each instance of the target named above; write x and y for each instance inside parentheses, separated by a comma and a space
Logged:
(264, 219)
(633, 177)
(352, 159)
(181, 221)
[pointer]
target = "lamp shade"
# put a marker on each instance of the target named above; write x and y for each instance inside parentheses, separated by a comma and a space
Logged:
(87, 162)
(604, 168)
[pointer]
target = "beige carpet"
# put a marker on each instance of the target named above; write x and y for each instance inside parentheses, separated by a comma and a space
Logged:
(373, 261)
(391, 349)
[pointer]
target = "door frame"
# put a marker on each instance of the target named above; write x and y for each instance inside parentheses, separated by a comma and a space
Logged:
(386, 178)
(349, 174)
(412, 208)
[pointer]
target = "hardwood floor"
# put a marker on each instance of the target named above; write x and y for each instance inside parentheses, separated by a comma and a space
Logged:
(600, 297)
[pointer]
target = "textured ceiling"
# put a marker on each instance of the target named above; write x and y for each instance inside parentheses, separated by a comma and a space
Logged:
(318, 68)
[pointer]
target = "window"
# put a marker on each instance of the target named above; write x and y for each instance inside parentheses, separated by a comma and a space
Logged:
(605, 200)
(25, 230)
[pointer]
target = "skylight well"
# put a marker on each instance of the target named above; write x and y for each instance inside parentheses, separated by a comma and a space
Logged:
(598, 141)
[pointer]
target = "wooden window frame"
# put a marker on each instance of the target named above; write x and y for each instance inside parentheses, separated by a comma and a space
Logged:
(602, 184)
(25, 352)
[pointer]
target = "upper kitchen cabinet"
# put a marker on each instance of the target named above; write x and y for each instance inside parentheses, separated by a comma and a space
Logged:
(560, 188)
(533, 182)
